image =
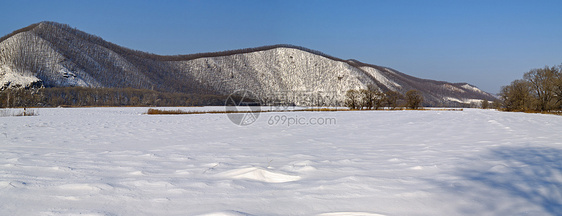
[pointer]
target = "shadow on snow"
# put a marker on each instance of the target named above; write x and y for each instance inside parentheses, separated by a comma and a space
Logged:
(510, 180)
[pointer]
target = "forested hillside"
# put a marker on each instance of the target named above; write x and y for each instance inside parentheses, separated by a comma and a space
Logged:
(49, 54)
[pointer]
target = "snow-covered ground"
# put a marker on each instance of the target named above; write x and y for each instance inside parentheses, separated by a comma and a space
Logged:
(117, 161)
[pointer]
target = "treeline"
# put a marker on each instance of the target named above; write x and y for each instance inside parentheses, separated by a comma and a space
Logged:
(80, 96)
(540, 90)
(30, 27)
(372, 98)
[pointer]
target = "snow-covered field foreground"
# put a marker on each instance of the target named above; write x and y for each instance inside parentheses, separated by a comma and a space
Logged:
(116, 161)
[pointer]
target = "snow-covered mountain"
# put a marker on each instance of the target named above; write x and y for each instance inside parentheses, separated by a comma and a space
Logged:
(54, 55)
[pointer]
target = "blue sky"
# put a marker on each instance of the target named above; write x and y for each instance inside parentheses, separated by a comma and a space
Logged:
(485, 43)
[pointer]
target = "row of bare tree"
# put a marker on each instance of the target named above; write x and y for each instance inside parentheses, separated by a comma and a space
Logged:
(79, 96)
(372, 98)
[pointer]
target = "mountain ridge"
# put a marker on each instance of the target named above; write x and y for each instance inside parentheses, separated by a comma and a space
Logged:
(56, 55)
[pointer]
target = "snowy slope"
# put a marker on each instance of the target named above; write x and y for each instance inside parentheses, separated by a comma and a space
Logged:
(28, 55)
(277, 70)
(56, 55)
(116, 161)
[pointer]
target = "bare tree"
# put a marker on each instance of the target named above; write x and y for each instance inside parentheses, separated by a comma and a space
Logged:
(414, 99)
(353, 99)
(366, 99)
(496, 104)
(542, 83)
(392, 98)
(557, 89)
(485, 104)
(516, 96)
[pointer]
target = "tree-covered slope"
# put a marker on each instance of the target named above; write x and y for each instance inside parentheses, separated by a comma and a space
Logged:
(55, 55)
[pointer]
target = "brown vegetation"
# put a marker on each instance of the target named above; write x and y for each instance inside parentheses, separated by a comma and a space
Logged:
(373, 98)
(153, 111)
(540, 90)
(370, 98)
(413, 99)
(485, 104)
(165, 112)
(80, 97)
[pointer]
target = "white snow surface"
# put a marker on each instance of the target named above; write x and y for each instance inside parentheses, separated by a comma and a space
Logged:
(472, 88)
(381, 78)
(118, 161)
(464, 100)
(10, 79)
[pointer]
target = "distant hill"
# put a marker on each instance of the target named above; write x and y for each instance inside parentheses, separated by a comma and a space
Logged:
(51, 54)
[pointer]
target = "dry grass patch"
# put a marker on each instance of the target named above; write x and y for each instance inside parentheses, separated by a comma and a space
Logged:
(152, 111)
(165, 112)
(447, 109)
(321, 110)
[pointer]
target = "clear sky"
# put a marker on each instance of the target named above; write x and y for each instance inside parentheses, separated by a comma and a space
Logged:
(486, 43)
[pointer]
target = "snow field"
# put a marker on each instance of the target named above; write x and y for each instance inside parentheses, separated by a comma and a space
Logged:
(117, 161)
